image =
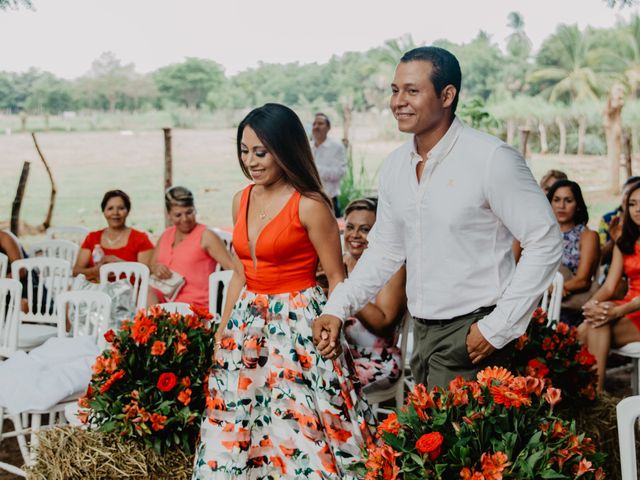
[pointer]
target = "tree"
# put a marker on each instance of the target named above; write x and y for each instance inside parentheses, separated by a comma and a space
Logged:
(518, 43)
(6, 4)
(49, 95)
(189, 82)
(107, 81)
(566, 70)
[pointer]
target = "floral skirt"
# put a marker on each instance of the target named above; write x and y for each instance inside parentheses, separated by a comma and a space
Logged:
(276, 408)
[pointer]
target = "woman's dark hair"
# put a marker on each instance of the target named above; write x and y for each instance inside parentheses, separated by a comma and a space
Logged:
(370, 204)
(282, 133)
(630, 231)
(113, 194)
(581, 217)
(445, 71)
(178, 197)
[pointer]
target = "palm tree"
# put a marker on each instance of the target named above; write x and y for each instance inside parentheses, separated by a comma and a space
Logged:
(518, 43)
(567, 66)
(393, 49)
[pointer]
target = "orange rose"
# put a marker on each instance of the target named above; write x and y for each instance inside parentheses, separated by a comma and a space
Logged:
(110, 335)
(166, 381)
(431, 444)
(158, 348)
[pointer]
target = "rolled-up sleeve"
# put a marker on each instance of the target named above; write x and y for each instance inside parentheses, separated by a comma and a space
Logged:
(518, 202)
(383, 257)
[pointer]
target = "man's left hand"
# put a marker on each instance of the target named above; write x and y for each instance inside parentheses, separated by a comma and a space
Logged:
(477, 345)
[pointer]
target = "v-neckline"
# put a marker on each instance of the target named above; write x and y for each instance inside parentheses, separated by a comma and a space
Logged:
(252, 253)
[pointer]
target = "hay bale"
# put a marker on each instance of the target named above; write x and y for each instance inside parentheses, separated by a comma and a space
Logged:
(67, 453)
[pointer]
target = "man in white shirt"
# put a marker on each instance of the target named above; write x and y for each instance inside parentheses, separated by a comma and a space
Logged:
(330, 159)
(451, 200)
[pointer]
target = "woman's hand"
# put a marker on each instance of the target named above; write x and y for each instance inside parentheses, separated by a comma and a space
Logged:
(110, 259)
(161, 271)
(326, 335)
(598, 314)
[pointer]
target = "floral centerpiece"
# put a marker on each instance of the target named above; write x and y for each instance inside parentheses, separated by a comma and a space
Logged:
(500, 426)
(550, 350)
(150, 383)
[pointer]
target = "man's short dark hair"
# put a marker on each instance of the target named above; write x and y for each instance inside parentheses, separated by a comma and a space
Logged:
(445, 71)
(326, 118)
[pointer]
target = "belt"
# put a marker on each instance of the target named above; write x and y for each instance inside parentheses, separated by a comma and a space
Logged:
(447, 321)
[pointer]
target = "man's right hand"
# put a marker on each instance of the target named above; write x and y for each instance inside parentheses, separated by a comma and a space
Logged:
(326, 330)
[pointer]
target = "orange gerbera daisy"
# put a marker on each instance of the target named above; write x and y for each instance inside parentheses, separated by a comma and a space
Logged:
(491, 374)
(142, 329)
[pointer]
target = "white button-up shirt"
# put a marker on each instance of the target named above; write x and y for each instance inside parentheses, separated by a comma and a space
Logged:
(455, 230)
(331, 162)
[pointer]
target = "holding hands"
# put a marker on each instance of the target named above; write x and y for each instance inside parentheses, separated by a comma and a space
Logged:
(326, 332)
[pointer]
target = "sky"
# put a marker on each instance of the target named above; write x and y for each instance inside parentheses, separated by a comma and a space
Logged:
(65, 36)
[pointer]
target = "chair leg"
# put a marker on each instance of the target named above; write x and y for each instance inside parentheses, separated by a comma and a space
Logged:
(635, 377)
(36, 424)
(22, 440)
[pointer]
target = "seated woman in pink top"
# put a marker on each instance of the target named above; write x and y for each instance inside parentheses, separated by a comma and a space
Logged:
(188, 248)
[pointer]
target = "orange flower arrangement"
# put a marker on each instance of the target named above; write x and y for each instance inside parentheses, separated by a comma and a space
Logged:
(143, 389)
(498, 426)
(551, 351)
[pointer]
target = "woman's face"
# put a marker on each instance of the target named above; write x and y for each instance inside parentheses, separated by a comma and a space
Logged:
(183, 218)
(258, 160)
(634, 206)
(564, 205)
(547, 185)
(358, 224)
(115, 212)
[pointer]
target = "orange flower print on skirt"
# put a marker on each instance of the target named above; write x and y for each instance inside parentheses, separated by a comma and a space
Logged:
(276, 408)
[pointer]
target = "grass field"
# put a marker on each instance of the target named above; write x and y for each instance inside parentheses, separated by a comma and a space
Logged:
(86, 164)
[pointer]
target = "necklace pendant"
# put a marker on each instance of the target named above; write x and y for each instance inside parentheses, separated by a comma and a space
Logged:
(263, 215)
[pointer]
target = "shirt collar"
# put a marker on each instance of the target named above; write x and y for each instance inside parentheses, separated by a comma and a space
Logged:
(440, 149)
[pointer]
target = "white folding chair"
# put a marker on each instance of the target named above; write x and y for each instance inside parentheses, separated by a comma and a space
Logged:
(64, 249)
(628, 411)
(74, 233)
(395, 391)
(4, 263)
(552, 305)
(46, 279)
(632, 351)
(88, 313)
(175, 307)
(10, 295)
(217, 280)
(137, 272)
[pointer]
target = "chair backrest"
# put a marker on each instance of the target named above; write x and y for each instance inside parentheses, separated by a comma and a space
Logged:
(627, 411)
(217, 298)
(4, 263)
(46, 278)
(226, 237)
(10, 295)
(88, 313)
(552, 305)
(175, 307)
(64, 249)
(74, 233)
(137, 272)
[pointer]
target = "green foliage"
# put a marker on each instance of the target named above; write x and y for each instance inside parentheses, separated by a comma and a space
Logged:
(475, 114)
(15, 4)
(355, 184)
(190, 82)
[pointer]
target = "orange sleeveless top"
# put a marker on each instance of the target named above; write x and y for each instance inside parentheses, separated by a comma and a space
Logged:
(286, 258)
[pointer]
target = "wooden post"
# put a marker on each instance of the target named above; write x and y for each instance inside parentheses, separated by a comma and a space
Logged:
(613, 129)
(347, 110)
(17, 201)
(524, 139)
(168, 166)
(52, 200)
(628, 152)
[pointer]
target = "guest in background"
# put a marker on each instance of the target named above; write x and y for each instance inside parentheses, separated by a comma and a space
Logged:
(616, 322)
(551, 177)
(188, 248)
(610, 226)
(330, 158)
(372, 333)
(581, 248)
(10, 246)
(116, 243)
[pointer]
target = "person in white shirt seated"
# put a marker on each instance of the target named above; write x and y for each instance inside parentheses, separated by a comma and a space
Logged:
(450, 202)
(330, 158)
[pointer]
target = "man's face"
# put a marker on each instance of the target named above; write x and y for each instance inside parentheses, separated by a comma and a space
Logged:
(320, 127)
(414, 102)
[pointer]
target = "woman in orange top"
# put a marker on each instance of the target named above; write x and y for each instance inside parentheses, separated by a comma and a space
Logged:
(116, 243)
(188, 248)
(276, 407)
(615, 323)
